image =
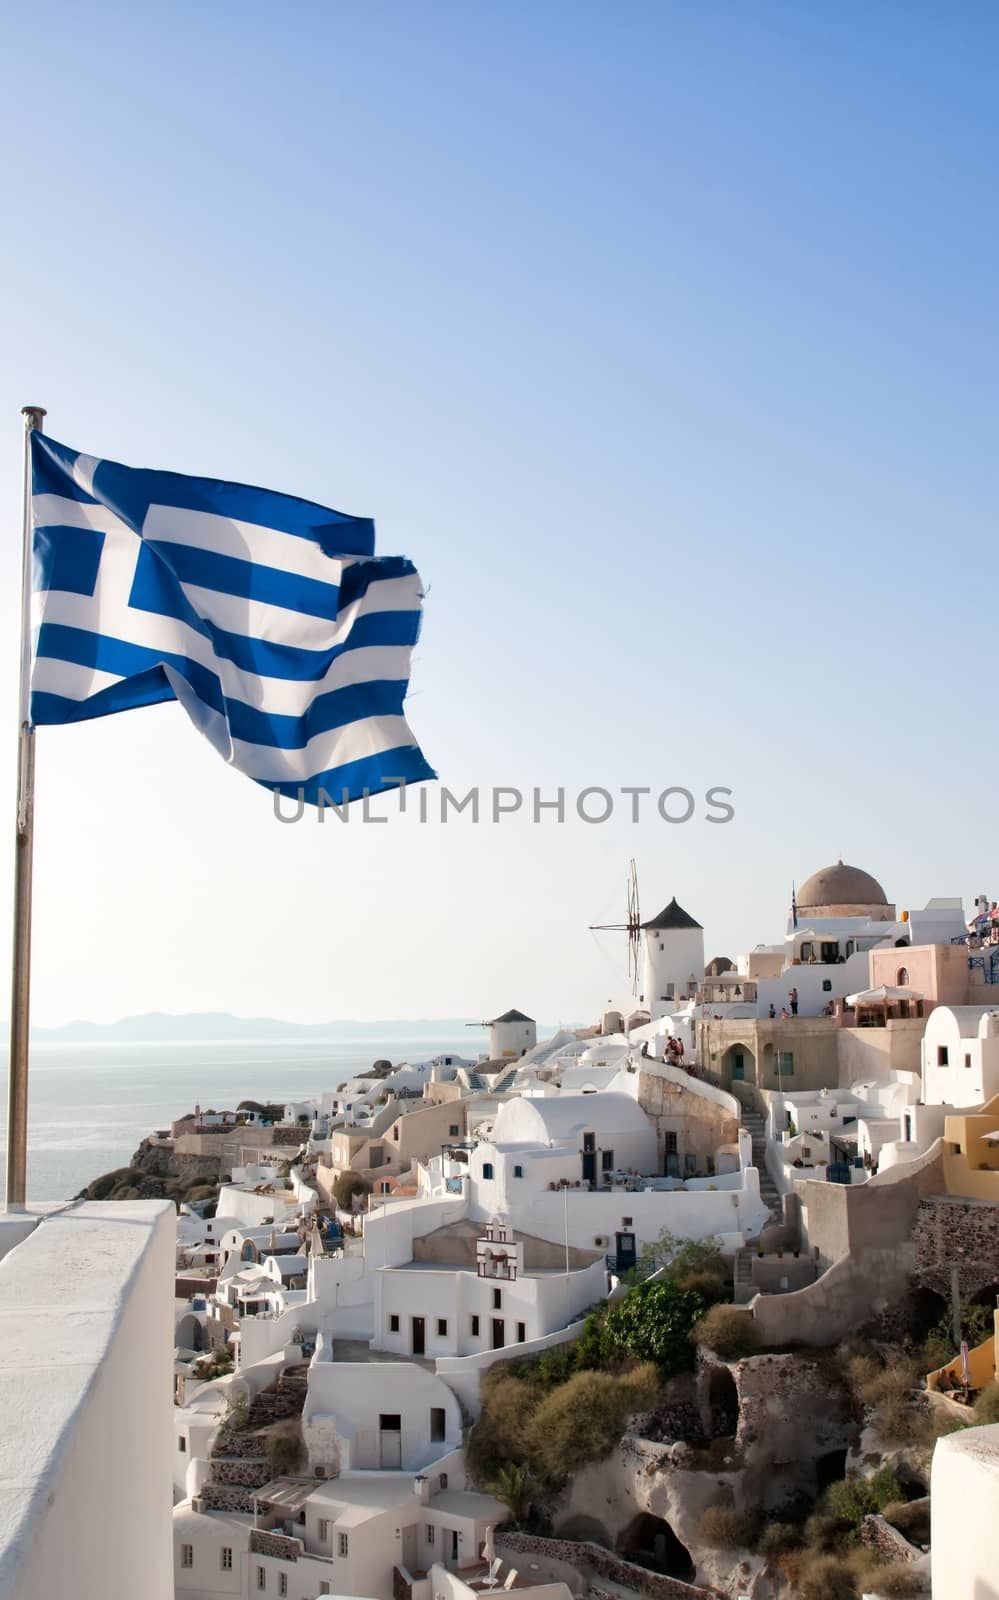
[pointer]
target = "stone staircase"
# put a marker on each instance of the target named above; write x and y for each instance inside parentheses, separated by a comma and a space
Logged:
(755, 1125)
(743, 1286)
(285, 1398)
(239, 1461)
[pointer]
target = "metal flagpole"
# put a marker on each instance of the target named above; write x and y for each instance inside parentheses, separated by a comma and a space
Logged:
(20, 989)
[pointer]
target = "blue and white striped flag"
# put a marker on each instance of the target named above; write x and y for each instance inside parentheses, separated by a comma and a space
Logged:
(271, 620)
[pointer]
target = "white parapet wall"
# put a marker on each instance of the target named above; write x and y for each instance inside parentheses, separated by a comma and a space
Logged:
(86, 1310)
(964, 1528)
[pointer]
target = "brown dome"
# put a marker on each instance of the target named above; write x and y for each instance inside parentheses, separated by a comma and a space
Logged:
(840, 886)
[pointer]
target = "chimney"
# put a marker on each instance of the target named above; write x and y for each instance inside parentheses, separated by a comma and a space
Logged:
(421, 1488)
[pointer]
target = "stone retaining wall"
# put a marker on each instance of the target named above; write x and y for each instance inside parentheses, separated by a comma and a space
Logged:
(950, 1232)
(235, 1473)
(881, 1536)
(265, 1543)
(222, 1497)
(605, 1565)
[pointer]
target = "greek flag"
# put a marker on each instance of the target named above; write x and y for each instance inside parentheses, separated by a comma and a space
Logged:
(271, 620)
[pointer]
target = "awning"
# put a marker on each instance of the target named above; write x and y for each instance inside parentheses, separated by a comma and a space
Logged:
(884, 994)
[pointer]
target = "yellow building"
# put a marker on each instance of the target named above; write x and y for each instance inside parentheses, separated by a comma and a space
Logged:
(971, 1152)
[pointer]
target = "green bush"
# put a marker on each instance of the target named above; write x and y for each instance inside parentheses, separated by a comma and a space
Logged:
(854, 1498)
(653, 1323)
(582, 1420)
(512, 1485)
(724, 1528)
(729, 1331)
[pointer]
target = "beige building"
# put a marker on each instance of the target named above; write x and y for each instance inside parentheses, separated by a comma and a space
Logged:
(692, 1121)
(414, 1136)
(805, 1052)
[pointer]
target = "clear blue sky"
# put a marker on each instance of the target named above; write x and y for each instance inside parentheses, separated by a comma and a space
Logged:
(662, 336)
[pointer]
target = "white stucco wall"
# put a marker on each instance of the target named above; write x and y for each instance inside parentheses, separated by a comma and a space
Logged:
(964, 1527)
(86, 1386)
(541, 1302)
(670, 956)
(970, 1037)
(346, 1400)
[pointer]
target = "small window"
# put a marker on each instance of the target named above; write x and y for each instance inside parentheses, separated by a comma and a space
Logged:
(967, 1058)
(497, 1299)
(521, 1332)
(475, 1327)
(261, 1579)
(324, 1531)
(607, 1161)
(282, 1583)
(393, 1323)
(442, 1480)
(226, 1554)
(390, 1422)
(453, 1131)
(437, 1423)
(785, 1062)
(806, 1150)
(395, 1132)
(518, 1172)
(902, 977)
(943, 1055)
(671, 1144)
(344, 1545)
(826, 985)
(431, 1533)
(187, 1555)
(626, 1222)
(181, 1443)
(442, 1327)
(487, 1169)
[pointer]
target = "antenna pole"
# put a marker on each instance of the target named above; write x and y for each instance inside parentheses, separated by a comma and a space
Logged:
(20, 986)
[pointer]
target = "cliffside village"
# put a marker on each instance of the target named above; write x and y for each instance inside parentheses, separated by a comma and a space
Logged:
(824, 1109)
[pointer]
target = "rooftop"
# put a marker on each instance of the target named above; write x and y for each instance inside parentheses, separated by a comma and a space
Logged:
(672, 916)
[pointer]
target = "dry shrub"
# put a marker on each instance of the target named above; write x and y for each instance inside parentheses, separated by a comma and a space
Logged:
(986, 1407)
(731, 1333)
(498, 1436)
(911, 1518)
(827, 1578)
(860, 1370)
(285, 1448)
(724, 1528)
(583, 1420)
(825, 1533)
(838, 1577)
(898, 1579)
(777, 1539)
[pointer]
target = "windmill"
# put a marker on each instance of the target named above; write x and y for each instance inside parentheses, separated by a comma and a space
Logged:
(632, 927)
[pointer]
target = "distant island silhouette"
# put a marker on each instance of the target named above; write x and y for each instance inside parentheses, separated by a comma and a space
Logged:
(164, 1027)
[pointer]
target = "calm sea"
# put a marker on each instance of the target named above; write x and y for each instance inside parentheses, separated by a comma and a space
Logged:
(90, 1105)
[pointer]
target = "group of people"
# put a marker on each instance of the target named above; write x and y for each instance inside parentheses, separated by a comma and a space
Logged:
(785, 1014)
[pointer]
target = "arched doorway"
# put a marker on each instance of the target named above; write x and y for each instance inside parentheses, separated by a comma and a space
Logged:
(738, 1065)
(650, 1542)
